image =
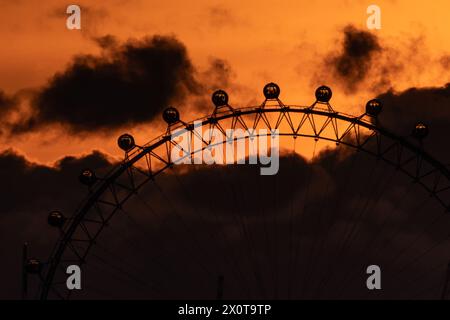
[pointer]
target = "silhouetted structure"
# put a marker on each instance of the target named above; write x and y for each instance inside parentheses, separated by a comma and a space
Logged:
(321, 123)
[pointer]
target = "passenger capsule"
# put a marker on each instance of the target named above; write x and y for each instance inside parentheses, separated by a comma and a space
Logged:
(219, 98)
(374, 107)
(87, 177)
(323, 94)
(171, 115)
(56, 219)
(33, 266)
(271, 91)
(126, 142)
(420, 131)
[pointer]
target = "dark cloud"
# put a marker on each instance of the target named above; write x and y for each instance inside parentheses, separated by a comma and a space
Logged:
(7, 104)
(129, 83)
(42, 184)
(218, 75)
(106, 42)
(351, 64)
(337, 215)
(311, 229)
(29, 191)
(364, 62)
(402, 110)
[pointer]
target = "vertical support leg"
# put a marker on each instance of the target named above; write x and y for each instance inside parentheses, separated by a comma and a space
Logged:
(24, 271)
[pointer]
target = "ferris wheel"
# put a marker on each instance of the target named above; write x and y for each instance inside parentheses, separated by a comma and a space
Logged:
(360, 195)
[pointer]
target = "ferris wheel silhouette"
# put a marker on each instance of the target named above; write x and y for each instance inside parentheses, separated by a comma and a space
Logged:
(358, 138)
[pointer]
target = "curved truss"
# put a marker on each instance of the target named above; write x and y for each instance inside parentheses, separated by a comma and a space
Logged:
(108, 195)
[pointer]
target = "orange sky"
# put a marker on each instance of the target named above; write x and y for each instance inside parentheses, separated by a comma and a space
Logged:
(281, 41)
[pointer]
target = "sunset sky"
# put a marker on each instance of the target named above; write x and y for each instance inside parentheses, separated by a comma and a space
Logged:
(256, 41)
(67, 95)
